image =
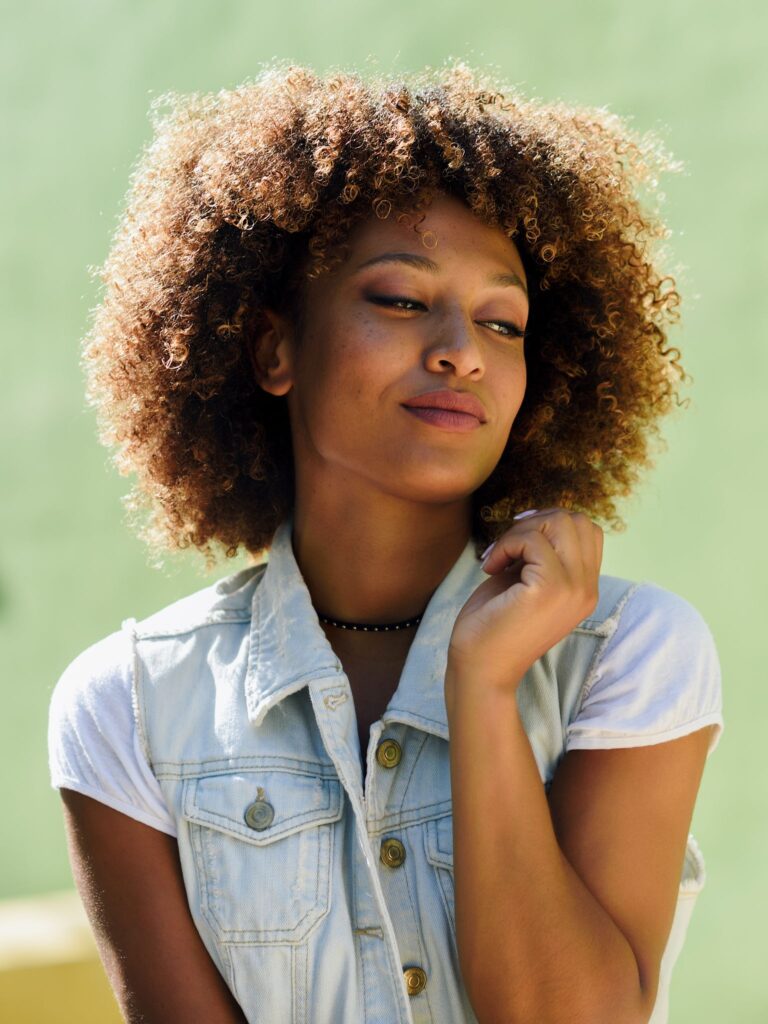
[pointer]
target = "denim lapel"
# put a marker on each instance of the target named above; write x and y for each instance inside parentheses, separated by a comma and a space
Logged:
(288, 646)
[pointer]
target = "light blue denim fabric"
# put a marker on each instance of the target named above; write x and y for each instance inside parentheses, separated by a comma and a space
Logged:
(239, 697)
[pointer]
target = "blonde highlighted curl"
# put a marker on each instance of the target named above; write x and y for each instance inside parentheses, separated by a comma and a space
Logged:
(243, 195)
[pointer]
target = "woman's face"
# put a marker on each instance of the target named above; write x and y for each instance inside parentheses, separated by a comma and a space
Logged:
(396, 320)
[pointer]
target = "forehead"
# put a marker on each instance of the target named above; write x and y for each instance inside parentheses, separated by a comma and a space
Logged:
(446, 230)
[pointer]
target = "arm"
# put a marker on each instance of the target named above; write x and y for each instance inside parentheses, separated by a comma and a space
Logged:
(563, 909)
(130, 881)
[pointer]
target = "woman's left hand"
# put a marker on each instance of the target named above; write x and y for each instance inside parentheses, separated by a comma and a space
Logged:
(543, 581)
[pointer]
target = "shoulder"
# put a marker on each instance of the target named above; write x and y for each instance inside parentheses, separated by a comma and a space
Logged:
(102, 673)
(613, 594)
(651, 613)
(645, 609)
(98, 673)
(94, 746)
(626, 602)
(227, 600)
(655, 673)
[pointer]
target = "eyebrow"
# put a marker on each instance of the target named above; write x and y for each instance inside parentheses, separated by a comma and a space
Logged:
(412, 259)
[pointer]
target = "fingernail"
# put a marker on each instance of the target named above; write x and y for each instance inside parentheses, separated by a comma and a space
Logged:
(522, 515)
(485, 553)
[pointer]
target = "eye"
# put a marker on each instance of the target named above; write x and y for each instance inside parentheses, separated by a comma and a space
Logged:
(508, 330)
(394, 300)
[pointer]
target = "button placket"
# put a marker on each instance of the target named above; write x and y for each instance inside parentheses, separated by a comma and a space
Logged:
(337, 730)
(389, 753)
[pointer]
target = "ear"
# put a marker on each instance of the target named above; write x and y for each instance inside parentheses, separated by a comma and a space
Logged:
(270, 348)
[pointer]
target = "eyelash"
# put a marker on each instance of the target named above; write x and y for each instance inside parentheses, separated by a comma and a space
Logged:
(391, 300)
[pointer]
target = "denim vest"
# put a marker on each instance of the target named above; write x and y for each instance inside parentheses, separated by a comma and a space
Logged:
(247, 720)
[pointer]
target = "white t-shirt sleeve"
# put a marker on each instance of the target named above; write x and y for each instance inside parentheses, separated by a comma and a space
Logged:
(93, 743)
(656, 677)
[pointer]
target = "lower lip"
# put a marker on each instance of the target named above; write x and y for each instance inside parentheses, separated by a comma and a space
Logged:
(447, 419)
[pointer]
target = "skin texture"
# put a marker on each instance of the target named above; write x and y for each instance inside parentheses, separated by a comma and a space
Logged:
(592, 879)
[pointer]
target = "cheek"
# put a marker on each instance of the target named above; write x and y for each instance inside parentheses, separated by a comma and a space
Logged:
(339, 382)
(359, 364)
(514, 378)
(523, 379)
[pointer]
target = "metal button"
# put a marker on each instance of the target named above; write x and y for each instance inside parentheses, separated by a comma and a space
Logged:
(415, 980)
(260, 813)
(388, 753)
(392, 853)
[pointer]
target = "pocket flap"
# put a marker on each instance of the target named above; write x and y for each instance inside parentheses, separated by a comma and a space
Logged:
(296, 801)
(439, 836)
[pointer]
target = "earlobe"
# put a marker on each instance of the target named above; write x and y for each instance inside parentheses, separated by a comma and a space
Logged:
(271, 351)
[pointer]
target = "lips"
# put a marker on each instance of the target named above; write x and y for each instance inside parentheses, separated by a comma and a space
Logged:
(452, 401)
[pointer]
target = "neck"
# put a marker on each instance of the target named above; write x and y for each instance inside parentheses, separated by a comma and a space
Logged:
(374, 567)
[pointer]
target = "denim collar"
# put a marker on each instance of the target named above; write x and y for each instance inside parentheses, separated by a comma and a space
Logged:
(288, 648)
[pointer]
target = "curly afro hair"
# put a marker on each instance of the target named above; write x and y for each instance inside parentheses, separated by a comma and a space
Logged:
(244, 194)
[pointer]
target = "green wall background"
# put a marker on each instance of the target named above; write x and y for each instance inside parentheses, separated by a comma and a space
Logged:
(77, 80)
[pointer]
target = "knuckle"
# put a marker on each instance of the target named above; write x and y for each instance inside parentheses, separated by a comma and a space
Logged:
(591, 597)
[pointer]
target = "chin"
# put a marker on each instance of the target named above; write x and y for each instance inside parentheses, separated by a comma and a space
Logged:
(435, 486)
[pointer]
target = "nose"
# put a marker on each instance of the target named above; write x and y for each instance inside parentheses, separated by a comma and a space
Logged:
(456, 345)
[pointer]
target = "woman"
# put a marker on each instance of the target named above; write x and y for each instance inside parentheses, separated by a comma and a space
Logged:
(375, 328)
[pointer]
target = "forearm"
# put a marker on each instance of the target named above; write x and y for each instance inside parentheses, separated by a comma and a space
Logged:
(534, 944)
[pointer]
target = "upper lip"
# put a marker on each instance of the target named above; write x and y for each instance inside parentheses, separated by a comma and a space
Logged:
(455, 401)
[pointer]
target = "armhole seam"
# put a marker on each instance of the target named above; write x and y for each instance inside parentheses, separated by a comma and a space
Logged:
(612, 619)
(136, 702)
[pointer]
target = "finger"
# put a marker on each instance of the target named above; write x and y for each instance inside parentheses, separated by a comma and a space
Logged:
(532, 550)
(538, 516)
(519, 518)
(556, 524)
(533, 512)
(588, 533)
(514, 565)
(592, 539)
(599, 540)
(560, 528)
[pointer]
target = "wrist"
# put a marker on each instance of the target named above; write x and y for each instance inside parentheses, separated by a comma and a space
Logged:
(477, 671)
(481, 688)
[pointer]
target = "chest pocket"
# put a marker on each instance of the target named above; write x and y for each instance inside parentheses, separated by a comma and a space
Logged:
(262, 846)
(439, 849)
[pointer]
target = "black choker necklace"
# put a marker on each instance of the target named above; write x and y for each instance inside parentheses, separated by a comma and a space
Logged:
(367, 626)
